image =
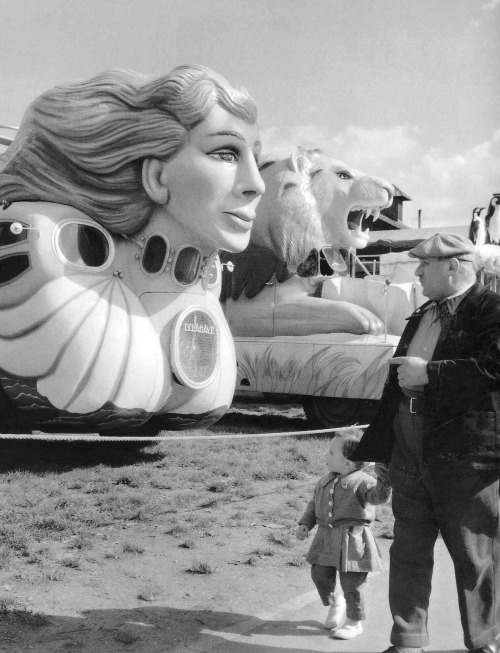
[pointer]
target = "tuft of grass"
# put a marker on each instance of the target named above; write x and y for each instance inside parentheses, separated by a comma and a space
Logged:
(16, 540)
(51, 524)
(54, 573)
(198, 567)
(177, 530)
(281, 537)
(133, 547)
(188, 544)
(71, 560)
(297, 561)
(151, 592)
(9, 604)
(82, 542)
(265, 552)
(219, 486)
(16, 610)
(6, 555)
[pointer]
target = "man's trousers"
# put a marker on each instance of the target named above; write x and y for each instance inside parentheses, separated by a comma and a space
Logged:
(462, 504)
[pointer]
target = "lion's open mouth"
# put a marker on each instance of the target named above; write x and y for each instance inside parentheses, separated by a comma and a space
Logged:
(357, 215)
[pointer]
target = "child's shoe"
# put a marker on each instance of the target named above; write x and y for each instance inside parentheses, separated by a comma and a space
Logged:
(336, 613)
(349, 630)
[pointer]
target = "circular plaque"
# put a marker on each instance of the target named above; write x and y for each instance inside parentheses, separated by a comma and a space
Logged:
(195, 347)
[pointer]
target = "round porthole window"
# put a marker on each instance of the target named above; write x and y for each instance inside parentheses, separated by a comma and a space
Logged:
(195, 347)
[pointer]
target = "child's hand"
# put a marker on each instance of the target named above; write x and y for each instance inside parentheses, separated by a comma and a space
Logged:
(302, 532)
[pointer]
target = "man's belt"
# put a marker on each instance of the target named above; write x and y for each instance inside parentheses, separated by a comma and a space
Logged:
(414, 404)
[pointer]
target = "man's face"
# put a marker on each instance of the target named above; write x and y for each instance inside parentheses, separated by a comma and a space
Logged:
(434, 276)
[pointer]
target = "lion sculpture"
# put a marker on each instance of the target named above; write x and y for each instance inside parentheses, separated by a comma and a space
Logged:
(313, 207)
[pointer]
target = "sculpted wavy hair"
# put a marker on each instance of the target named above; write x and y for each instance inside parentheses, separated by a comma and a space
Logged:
(83, 143)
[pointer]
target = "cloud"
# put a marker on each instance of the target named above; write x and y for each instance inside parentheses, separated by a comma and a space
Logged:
(375, 146)
(449, 187)
(445, 187)
(476, 23)
(357, 145)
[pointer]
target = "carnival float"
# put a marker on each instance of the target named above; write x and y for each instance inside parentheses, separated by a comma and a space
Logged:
(110, 320)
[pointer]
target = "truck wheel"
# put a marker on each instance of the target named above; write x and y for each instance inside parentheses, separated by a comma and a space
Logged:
(333, 412)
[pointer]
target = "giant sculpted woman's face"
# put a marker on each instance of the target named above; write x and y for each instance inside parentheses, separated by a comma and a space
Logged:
(214, 185)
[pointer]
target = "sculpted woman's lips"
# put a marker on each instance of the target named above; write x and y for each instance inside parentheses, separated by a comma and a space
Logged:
(241, 215)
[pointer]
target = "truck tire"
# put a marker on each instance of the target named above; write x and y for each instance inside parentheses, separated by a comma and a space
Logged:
(334, 412)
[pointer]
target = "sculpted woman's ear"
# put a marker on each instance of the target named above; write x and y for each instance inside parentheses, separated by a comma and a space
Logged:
(154, 180)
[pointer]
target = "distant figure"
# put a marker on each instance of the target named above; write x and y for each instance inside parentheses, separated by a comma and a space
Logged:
(343, 507)
(477, 229)
(492, 221)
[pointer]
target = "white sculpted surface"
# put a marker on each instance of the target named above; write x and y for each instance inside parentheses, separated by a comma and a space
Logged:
(313, 207)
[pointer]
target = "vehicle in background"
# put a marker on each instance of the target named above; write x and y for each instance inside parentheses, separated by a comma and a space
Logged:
(338, 377)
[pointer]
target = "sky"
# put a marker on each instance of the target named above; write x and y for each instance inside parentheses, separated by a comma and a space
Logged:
(405, 90)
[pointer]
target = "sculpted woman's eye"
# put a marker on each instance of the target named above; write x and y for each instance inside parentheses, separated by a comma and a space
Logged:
(228, 155)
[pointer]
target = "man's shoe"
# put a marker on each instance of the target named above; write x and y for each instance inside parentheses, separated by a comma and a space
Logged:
(349, 630)
(397, 649)
(489, 648)
(336, 614)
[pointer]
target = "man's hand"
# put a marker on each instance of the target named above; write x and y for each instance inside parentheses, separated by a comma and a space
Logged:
(412, 370)
(302, 532)
(382, 473)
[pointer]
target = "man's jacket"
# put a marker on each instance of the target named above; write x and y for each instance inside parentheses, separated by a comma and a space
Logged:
(461, 403)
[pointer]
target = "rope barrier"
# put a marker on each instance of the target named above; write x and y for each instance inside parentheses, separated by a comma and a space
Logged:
(95, 437)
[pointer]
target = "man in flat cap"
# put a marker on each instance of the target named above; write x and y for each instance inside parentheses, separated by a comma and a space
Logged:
(438, 428)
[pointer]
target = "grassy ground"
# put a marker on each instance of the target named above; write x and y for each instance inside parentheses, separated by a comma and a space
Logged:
(70, 510)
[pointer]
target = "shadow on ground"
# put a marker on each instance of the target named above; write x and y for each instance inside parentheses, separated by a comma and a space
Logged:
(142, 630)
(51, 456)
(161, 630)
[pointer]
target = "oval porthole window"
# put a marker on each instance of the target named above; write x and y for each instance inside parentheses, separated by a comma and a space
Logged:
(187, 265)
(155, 254)
(13, 266)
(83, 245)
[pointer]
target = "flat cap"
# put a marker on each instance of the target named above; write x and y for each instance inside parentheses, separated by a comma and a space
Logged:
(444, 246)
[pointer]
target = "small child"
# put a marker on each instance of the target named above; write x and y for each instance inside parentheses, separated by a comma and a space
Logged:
(343, 508)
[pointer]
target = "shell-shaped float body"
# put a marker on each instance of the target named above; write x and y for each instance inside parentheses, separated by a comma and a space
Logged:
(103, 332)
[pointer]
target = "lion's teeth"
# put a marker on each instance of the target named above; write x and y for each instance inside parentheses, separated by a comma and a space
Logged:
(376, 214)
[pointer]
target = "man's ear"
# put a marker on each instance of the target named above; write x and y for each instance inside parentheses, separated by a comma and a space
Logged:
(154, 180)
(453, 265)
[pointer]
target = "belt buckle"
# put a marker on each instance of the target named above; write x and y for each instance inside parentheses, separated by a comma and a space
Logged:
(412, 411)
